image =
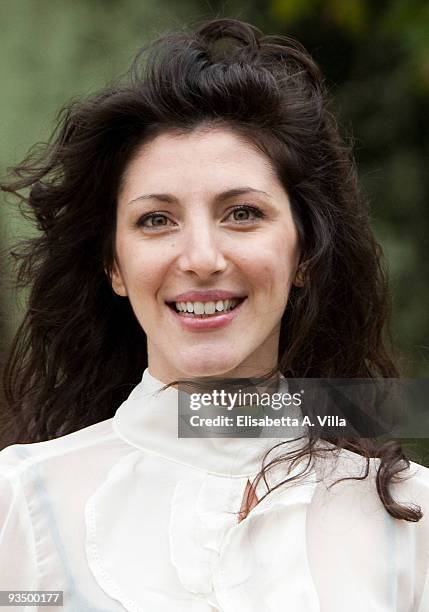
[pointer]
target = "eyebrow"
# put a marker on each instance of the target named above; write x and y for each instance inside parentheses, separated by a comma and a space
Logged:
(220, 197)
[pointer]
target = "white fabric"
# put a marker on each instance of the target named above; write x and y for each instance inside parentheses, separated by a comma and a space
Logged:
(124, 515)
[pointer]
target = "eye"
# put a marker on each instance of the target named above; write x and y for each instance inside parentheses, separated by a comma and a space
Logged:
(153, 221)
(244, 212)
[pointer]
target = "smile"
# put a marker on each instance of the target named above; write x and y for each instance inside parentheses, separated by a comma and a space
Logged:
(205, 309)
(194, 316)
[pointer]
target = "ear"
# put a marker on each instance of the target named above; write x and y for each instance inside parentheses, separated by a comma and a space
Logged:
(299, 279)
(116, 280)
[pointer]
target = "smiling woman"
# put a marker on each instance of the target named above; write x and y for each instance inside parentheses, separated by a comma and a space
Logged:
(201, 220)
(213, 240)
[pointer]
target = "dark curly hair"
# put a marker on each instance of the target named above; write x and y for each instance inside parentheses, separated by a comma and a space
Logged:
(80, 349)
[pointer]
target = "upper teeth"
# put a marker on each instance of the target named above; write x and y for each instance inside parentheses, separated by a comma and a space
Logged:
(206, 307)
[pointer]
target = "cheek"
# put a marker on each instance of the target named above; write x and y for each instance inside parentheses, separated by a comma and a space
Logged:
(273, 264)
(142, 268)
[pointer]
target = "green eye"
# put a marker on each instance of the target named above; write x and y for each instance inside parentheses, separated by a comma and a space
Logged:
(247, 210)
(241, 214)
(156, 220)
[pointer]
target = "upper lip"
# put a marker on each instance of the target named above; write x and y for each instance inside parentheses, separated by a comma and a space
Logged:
(205, 296)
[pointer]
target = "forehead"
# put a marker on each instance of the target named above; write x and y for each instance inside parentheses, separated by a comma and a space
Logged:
(203, 160)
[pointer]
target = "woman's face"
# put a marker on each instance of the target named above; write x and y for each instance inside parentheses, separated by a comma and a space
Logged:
(202, 213)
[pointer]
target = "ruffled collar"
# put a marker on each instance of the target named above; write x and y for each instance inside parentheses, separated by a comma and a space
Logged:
(148, 420)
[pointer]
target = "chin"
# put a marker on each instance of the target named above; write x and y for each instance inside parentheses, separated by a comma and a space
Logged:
(213, 365)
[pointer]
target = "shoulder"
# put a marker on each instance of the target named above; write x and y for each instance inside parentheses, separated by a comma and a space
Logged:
(30, 473)
(350, 492)
(36, 479)
(412, 485)
(344, 470)
(342, 463)
(17, 458)
(333, 463)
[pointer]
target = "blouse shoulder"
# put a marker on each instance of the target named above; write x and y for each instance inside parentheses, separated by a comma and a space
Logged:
(17, 542)
(412, 486)
(343, 463)
(16, 458)
(352, 472)
(420, 474)
(44, 470)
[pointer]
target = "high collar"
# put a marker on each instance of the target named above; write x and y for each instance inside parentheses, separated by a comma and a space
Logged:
(148, 420)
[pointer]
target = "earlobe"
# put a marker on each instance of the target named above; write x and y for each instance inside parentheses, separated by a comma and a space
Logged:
(299, 279)
(116, 280)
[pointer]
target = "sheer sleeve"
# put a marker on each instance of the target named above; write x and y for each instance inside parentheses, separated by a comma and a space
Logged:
(18, 569)
(420, 495)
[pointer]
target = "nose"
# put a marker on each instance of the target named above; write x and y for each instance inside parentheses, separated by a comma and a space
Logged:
(201, 250)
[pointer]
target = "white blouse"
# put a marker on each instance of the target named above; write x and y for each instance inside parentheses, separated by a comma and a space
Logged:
(124, 515)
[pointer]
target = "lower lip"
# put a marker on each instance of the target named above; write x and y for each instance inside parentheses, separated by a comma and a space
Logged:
(213, 322)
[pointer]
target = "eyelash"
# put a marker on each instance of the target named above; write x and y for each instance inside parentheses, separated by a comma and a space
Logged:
(254, 209)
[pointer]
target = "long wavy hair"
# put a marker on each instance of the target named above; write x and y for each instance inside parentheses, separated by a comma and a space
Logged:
(80, 349)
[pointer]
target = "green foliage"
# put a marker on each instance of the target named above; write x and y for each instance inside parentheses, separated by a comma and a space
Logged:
(351, 15)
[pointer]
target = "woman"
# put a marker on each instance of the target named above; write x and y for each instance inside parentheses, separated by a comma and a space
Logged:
(213, 180)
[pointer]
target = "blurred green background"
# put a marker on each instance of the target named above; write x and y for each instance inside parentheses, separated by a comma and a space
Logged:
(375, 56)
